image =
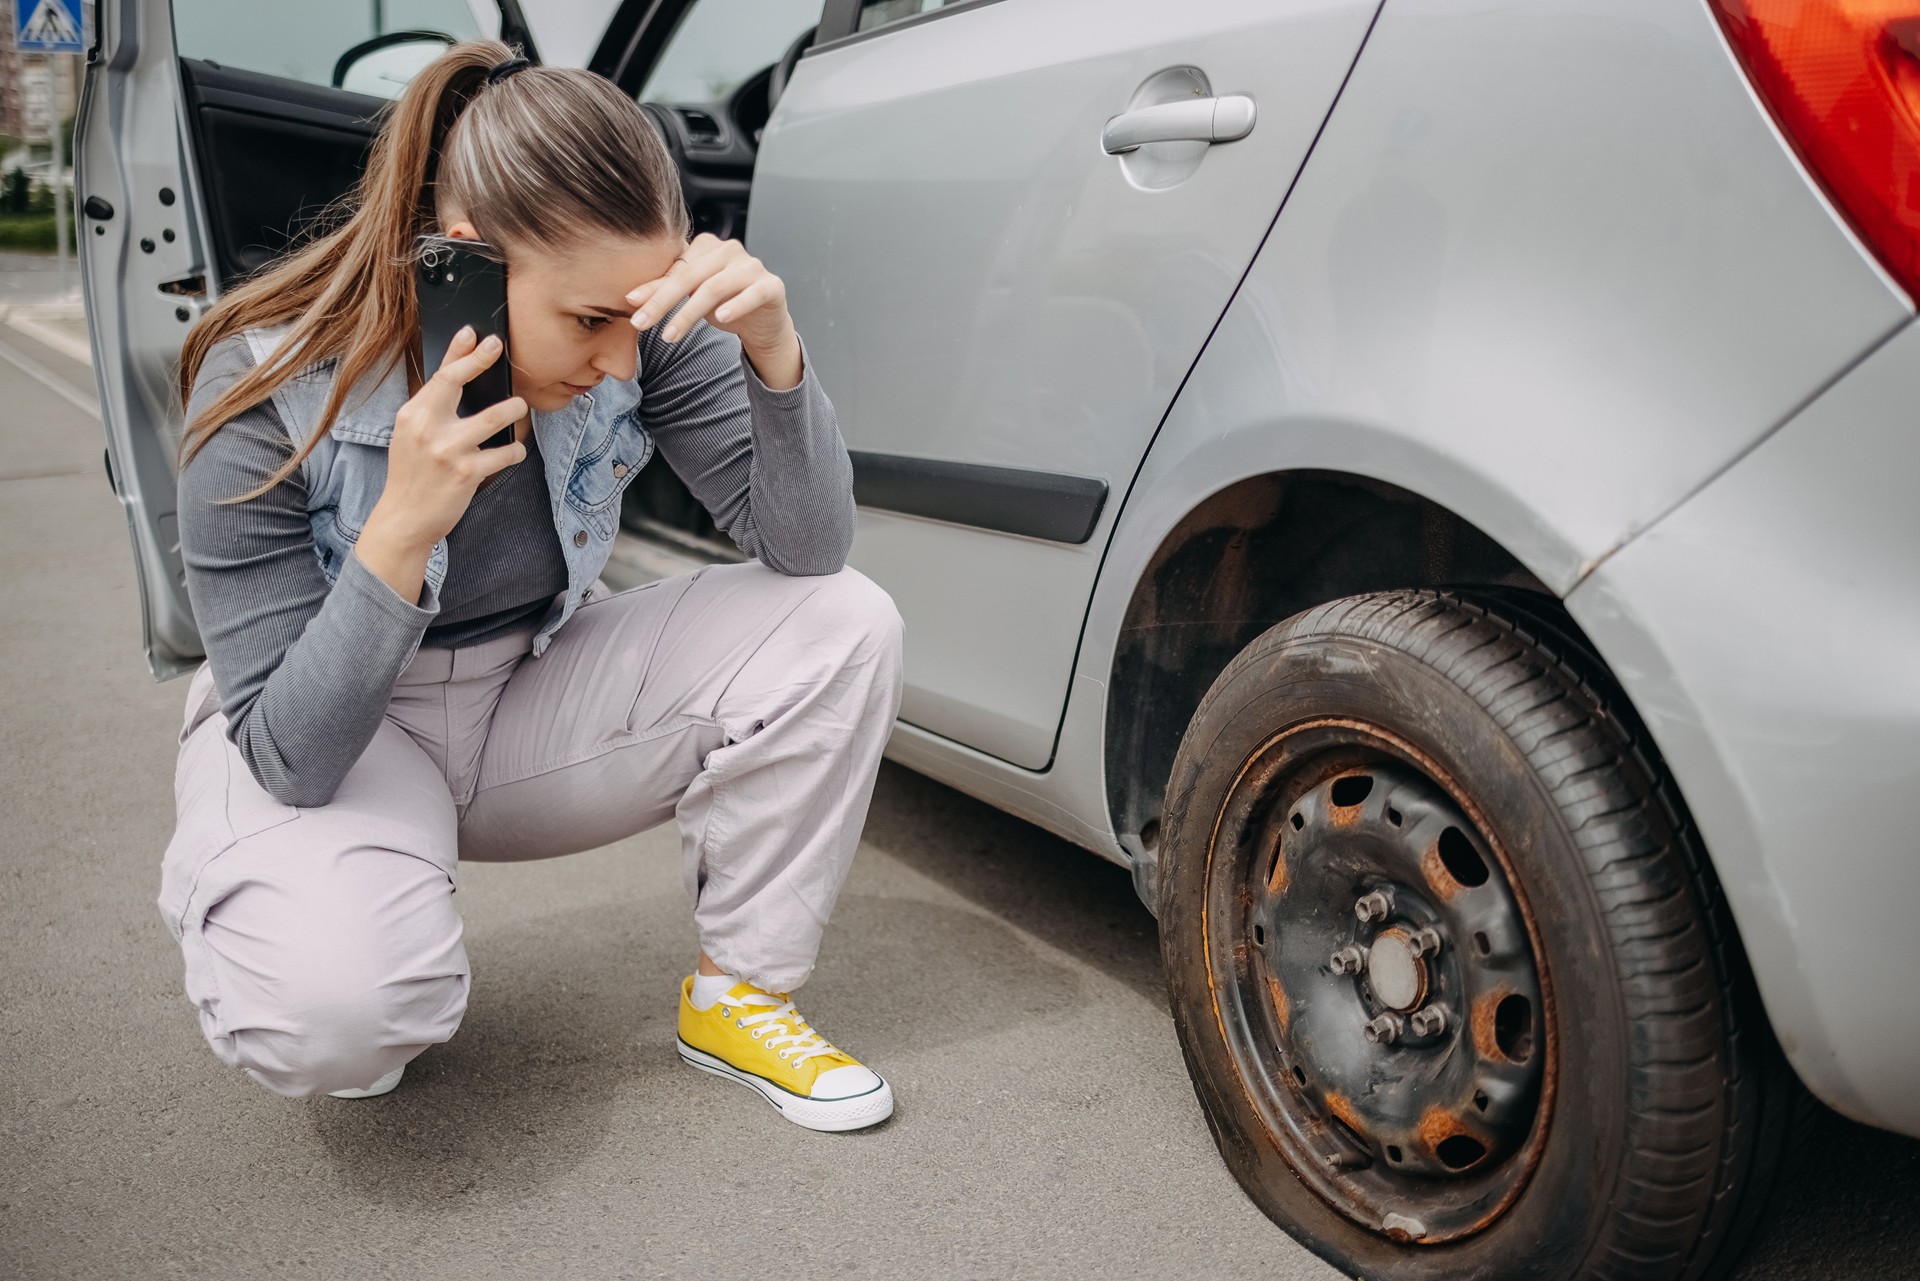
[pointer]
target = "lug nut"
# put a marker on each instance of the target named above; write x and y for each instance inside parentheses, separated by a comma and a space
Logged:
(1374, 906)
(1384, 1030)
(1425, 942)
(1348, 960)
(1431, 1021)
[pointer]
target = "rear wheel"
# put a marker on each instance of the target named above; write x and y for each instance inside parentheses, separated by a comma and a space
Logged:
(1451, 975)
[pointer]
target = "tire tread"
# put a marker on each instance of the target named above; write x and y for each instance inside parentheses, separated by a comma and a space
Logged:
(1716, 1114)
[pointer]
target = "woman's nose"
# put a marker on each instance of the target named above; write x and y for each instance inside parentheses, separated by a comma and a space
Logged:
(618, 360)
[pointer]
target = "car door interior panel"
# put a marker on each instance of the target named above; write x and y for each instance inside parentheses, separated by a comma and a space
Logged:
(714, 153)
(273, 155)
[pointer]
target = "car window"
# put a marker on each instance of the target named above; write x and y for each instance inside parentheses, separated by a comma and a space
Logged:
(720, 43)
(305, 41)
(878, 13)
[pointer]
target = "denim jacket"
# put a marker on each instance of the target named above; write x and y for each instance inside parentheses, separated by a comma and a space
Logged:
(304, 663)
(591, 450)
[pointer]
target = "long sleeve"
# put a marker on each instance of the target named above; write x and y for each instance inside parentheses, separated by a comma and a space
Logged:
(304, 668)
(769, 465)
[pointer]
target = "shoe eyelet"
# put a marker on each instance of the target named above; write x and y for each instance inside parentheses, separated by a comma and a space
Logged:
(725, 1013)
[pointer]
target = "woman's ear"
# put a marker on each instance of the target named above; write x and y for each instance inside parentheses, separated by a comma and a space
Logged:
(463, 230)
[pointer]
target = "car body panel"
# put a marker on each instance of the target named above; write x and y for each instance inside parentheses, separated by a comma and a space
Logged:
(1068, 800)
(1555, 294)
(1649, 342)
(1273, 392)
(980, 283)
(1766, 631)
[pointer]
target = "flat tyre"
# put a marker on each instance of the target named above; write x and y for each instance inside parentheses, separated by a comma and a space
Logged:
(1449, 968)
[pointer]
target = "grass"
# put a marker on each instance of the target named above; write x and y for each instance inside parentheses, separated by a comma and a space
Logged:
(27, 231)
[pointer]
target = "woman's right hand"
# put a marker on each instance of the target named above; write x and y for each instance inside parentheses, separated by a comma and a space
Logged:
(435, 465)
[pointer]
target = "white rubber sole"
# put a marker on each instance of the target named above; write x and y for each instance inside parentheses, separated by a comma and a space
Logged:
(382, 1086)
(855, 1113)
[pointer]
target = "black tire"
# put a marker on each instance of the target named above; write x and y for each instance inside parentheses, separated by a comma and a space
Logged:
(1641, 1111)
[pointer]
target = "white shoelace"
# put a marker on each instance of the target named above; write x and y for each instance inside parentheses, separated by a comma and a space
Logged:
(801, 1046)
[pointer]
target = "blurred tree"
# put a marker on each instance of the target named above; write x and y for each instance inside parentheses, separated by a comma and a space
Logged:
(15, 190)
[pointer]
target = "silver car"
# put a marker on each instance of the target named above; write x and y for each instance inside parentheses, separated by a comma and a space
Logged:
(1429, 487)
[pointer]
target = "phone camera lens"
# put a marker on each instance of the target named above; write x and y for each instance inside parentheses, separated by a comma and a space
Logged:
(449, 277)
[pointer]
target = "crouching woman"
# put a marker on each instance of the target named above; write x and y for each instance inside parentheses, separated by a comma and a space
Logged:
(408, 663)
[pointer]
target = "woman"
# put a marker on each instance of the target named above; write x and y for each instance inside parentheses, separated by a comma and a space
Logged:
(408, 663)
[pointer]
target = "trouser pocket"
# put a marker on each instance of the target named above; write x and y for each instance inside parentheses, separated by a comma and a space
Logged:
(216, 802)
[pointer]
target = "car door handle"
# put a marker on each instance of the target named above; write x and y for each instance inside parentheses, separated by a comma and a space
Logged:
(1221, 119)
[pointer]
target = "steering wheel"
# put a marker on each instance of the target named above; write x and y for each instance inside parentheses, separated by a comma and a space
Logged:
(388, 40)
(783, 69)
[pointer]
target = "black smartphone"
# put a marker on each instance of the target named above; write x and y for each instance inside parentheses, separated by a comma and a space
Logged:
(460, 283)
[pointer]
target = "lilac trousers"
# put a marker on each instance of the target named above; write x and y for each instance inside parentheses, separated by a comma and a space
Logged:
(322, 946)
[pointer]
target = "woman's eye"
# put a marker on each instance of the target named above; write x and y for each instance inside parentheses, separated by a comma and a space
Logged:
(591, 323)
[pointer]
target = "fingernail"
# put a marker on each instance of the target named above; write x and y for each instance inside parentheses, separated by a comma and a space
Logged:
(641, 319)
(670, 333)
(466, 331)
(493, 341)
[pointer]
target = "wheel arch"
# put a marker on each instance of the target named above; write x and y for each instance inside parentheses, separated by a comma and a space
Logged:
(1248, 555)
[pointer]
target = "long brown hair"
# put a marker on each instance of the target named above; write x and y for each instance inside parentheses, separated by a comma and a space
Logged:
(543, 158)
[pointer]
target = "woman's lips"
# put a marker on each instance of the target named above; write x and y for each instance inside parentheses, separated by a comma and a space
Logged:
(578, 389)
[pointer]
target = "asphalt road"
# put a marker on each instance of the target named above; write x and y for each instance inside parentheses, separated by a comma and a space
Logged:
(1007, 983)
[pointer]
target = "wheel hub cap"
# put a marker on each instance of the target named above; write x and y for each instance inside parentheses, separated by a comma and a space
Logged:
(1399, 978)
(1387, 1002)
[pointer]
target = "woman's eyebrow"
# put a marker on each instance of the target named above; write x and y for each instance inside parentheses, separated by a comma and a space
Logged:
(619, 312)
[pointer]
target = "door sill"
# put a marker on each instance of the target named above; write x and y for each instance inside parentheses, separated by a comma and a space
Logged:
(639, 558)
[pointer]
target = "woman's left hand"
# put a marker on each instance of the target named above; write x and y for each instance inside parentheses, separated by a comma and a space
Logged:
(732, 290)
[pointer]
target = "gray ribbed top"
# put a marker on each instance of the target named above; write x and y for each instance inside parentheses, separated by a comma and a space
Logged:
(305, 668)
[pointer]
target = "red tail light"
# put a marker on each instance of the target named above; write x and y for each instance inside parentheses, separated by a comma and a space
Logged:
(1842, 78)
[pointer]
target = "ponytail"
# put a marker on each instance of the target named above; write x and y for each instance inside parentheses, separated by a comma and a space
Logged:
(349, 293)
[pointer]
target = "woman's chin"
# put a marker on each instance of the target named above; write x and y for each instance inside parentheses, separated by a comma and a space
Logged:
(548, 400)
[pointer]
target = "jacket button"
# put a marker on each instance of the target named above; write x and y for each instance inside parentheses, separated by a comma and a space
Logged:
(580, 539)
(619, 470)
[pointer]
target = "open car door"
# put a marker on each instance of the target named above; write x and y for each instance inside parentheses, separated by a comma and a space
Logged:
(209, 136)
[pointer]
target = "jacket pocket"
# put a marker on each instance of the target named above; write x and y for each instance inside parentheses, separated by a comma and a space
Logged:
(332, 542)
(607, 466)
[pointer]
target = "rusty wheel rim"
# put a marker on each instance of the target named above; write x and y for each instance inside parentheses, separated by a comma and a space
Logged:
(1377, 980)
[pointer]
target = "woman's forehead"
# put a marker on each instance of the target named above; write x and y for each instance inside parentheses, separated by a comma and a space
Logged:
(600, 269)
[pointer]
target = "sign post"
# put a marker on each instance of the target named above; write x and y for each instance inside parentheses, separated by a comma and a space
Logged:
(53, 27)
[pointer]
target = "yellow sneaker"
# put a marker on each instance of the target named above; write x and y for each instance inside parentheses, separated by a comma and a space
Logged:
(758, 1039)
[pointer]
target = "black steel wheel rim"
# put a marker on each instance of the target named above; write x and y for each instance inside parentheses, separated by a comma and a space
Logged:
(1378, 983)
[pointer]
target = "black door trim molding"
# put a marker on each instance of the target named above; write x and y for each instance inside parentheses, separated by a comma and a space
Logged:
(839, 23)
(1007, 500)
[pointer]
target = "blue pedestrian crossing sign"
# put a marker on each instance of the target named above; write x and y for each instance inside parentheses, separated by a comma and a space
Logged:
(49, 26)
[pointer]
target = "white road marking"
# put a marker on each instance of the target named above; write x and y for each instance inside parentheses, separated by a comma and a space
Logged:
(50, 380)
(49, 337)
